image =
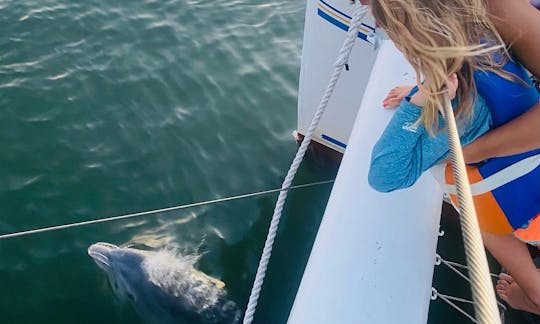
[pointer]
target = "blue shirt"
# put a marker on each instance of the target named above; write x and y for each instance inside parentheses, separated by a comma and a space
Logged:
(405, 150)
(402, 154)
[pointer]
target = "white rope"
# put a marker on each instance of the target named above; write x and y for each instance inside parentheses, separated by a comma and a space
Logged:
(342, 59)
(155, 211)
(452, 266)
(448, 299)
(481, 286)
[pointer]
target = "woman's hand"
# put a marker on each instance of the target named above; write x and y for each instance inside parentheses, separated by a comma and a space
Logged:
(394, 97)
(419, 98)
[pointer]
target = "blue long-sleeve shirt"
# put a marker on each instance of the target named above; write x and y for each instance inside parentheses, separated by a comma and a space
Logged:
(405, 150)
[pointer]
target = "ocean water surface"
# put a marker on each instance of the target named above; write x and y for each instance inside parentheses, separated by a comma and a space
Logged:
(110, 108)
(114, 108)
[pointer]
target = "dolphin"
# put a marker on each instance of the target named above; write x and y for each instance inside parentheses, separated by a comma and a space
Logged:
(163, 287)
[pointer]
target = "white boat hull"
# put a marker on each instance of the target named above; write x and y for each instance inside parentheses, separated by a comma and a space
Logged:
(373, 258)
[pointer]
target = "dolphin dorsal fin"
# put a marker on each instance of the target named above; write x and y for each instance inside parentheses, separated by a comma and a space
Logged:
(220, 284)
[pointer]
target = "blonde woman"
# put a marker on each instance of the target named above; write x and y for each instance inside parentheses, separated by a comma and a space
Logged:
(442, 38)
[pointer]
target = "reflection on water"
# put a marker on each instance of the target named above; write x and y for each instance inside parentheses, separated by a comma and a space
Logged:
(114, 108)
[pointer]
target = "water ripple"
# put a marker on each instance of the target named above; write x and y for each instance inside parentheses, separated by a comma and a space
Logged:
(111, 108)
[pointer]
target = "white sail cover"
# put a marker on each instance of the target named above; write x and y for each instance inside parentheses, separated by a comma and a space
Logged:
(324, 33)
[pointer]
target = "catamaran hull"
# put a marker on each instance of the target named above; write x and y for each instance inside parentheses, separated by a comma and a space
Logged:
(373, 258)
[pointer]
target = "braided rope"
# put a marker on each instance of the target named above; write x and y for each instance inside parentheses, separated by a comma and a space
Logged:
(343, 57)
(481, 286)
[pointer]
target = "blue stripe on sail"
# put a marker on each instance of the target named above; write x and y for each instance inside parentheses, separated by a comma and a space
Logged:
(344, 14)
(339, 24)
(329, 6)
(333, 141)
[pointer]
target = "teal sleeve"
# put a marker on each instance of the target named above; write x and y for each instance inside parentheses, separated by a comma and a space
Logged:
(405, 150)
(395, 160)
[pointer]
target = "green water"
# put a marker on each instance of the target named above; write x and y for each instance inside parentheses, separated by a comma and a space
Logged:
(110, 108)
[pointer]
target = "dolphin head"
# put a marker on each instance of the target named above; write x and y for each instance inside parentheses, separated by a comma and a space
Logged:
(121, 265)
(164, 288)
(101, 252)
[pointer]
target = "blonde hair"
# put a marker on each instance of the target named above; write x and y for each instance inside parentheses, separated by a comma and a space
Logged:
(441, 37)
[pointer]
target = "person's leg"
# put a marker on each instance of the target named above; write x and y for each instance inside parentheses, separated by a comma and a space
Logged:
(519, 25)
(521, 290)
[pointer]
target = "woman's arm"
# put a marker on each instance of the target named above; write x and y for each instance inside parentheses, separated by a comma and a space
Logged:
(518, 22)
(396, 160)
(520, 135)
(405, 150)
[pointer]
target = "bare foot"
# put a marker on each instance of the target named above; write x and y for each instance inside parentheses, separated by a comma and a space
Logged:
(509, 291)
(505, 277)
(502, 284)
(394, 97)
